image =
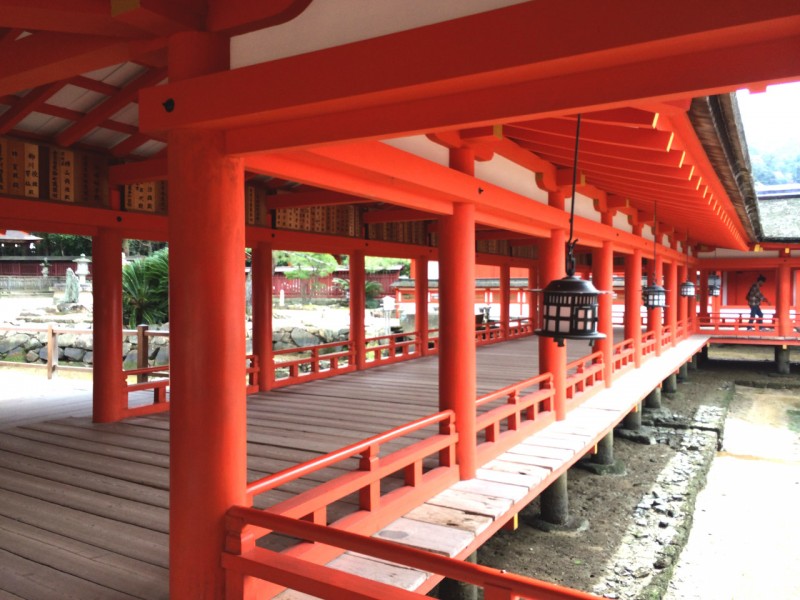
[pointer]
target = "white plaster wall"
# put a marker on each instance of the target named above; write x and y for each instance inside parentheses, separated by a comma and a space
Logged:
(421, 146)
(329, 23)
(506, 174)
(621, 222)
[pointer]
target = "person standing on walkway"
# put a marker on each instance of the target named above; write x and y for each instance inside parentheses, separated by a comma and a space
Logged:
(755, 298)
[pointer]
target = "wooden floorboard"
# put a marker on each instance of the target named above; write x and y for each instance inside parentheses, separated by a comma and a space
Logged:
(84, 507)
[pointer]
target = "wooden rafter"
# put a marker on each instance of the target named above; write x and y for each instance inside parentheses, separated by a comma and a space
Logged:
(33, 101)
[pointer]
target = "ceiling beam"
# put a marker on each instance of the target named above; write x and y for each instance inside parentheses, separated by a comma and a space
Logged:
(47, 57)
(89, 17)
(631, 137)
(32, 101)
(234, 17)
(109, 107)
(160, 17)
(400, 91)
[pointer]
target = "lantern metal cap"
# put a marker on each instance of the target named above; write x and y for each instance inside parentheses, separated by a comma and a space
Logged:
(654, 296)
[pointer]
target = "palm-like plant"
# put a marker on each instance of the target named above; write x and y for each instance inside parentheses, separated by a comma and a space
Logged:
(145, 290)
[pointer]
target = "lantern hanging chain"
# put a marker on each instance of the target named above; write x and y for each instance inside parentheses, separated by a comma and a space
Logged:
(570, 266)
(655, 240)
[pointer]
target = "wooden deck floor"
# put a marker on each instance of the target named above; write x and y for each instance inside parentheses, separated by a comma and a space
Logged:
(84, 507)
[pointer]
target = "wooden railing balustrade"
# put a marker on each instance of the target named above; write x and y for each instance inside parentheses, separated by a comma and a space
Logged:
(666, 336)
(648, 343)
(740, 325)
(527, 406)
(313, 362)
(582, 375)
(623, 357)
(241, 559)
(392, 348)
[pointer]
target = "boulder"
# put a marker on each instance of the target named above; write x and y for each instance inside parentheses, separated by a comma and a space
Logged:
(162, 357)
(32, 344)
(88, 358)
(130, 361)
(85, 342)
(32, 356)
(74, 354)
(303, 338)
(13, 341)
(66, 339)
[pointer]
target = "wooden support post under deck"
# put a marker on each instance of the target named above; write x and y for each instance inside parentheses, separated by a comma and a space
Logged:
(208, 453)
(783, 300)
(358, 305)
(109, 397)
(552, 358)
(671, 317)
(457, 362)
(603, 276)
(421, 301)
(505, 298)
(261, 272)
(633, 303)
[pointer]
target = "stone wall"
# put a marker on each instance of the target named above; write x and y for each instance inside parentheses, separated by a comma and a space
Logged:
(77, 349)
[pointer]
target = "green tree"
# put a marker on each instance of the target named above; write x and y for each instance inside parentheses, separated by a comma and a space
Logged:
(145, 290)
(60, 244)
(307, 267)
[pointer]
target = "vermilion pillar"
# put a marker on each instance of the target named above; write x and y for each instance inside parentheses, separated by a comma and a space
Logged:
(457, 375)
(633, 303)
(208, 453)
(109, 398)
(505, 298)
(671, 316)
(783, 300)
(655, 316)
(603, 275)
(358, 306)
(421, 301)
(683, 301)
(261, 275)
(552, 358)
(703, 296)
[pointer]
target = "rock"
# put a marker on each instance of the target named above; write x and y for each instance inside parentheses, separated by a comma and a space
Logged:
(32, 344)
(74, 354)
(15, 340)
(162, 357)
(32, 356)
(131, 361)
(84, 342)
(303, 338)
(88, 358)
(18, 354)
(126, 348)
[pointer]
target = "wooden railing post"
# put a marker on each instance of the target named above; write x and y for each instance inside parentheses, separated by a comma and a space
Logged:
(142, 352)
(52, 351)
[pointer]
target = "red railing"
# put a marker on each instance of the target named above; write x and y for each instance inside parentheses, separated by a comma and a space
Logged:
(582, 375)
(623, 357)
(372, 469)
(738, 325)
(391, 348)
(492, 332)
(242, 560)
(526, 407)
(648, 343)
(667, 335)
(312, 362)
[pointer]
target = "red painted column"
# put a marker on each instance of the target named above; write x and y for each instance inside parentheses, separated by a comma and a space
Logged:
(683, 301)
(505, 298)
(633, 303)
(421, 301)
(716, 301)
(671, 317)
(655, 316)
(109, 397)
(703, 293)
(603, 275)
(208, 453)
(261, 272)
(358, 306)
(783, 300)
(552, 358)
(457, 369)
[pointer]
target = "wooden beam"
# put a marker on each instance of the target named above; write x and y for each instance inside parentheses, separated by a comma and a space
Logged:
(88, 17)
(315, 198)
(111, 106)
(235, 17)
(632, 137)
(32, 101)
(503, 79)
(160, 17)
(154, 169)
(47, 57)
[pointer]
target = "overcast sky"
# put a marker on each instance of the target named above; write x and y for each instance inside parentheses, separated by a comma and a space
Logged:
(772, 118)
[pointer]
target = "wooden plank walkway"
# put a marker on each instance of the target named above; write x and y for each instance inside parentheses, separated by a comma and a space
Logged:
(84, 507)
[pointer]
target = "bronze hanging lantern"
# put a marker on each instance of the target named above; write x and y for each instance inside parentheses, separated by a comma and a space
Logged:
(654, 296)
(570, 305)
(714, 285)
